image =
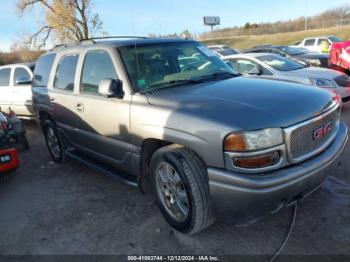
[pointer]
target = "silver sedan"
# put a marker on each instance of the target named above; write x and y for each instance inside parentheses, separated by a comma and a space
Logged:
(270, 66)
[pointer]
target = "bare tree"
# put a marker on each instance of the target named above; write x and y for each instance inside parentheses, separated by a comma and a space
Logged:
(65, 20)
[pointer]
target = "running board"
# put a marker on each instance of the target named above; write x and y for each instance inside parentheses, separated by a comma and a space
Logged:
(103, 168)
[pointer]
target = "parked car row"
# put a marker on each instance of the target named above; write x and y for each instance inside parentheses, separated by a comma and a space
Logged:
(213, 144)
(295, 64)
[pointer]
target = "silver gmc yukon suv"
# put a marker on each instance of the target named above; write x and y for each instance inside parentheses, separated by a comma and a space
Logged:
(212, 144)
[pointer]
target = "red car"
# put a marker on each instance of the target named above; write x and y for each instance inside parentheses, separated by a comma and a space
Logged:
(8, 156)
(8, 163)
(340, 56)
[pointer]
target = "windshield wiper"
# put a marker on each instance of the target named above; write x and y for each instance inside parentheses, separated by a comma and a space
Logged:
(218, 75)
(170, 84)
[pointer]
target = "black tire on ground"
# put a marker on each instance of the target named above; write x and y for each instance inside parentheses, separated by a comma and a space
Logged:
(61, 156)
(193, 174)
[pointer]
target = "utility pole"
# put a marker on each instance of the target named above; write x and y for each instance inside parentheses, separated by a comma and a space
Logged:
(306, 7)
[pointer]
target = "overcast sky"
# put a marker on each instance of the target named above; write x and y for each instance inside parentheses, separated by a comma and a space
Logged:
(141, 17)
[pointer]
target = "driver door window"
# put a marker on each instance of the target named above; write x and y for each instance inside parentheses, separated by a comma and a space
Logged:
(246, 67)
(97, 66)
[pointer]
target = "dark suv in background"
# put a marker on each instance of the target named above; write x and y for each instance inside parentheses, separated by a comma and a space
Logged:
(170, 110)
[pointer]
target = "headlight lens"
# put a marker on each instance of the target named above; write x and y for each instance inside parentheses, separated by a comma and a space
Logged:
(323, 83)
(253, 140)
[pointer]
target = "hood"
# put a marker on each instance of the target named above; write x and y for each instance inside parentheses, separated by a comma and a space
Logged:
(309, 56)
(243, 103)
(314, 72)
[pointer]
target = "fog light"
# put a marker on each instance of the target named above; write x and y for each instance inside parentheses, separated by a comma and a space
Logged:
(260, 161)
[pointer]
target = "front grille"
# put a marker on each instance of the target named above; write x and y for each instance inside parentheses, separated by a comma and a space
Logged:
(342, 80)
(302, 141)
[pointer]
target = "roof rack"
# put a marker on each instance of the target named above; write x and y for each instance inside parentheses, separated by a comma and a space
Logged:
(92, 39)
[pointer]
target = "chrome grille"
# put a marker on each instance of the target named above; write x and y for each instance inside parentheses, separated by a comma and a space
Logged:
(301, 142)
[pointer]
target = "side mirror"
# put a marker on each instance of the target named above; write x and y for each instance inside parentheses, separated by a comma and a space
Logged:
(111, 88)
(23, 81)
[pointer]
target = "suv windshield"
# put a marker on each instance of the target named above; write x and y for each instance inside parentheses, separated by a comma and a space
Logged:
(291, 50)
(280, 63)
(155, 66)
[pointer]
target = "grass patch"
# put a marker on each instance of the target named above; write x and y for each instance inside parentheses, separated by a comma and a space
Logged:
(244, 42)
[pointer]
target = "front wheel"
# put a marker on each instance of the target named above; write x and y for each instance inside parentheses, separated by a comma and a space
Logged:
(180, 182)
(53, 142)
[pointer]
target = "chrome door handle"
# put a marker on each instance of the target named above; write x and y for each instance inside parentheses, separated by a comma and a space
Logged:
(80, 107)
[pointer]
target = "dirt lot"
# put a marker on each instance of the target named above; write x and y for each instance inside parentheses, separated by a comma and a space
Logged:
(68, 209)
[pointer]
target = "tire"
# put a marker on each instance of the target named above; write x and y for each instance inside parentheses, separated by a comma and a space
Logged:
(51, 136)
(183, 164)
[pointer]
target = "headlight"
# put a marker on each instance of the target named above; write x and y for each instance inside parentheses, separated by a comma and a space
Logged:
(253, 140)
(316, 62)
(323, 83)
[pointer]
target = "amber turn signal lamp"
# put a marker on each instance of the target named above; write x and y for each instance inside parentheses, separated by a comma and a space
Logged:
(260, 161)
(235, 142)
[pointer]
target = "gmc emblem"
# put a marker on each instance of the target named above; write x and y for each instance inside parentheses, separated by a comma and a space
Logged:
(322, 131)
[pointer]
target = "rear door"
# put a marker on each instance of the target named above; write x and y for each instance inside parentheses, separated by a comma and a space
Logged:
(22, 94)
(5, 89)
(62, 96)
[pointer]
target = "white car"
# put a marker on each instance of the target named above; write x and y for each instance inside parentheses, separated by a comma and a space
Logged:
(16, 89)
(223, 50)
(315, 43)
(271, 66)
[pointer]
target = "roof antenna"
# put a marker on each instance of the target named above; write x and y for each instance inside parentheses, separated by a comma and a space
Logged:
(135, 44)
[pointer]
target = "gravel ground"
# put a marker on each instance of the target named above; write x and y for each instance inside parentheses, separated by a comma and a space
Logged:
(50, 209)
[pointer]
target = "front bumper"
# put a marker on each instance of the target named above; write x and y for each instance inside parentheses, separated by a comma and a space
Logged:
(241, 198)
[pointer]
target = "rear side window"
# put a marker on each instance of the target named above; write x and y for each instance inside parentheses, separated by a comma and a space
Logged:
(310, 42)
(65, 73)
(5, 76)
(98, 65)
(20, 73)
(43, 69)
(320, 42)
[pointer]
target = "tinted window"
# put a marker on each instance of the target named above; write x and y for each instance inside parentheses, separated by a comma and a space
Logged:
(65, 73)
(43, 69)
(280, 63)
(310, 42)
(98, 65)
(320, 41)
(227, 52)
(245, 67)
(21, 73)
(5, 76)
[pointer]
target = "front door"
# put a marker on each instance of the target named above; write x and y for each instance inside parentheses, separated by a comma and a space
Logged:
(5, 89)
(104, 129)
(22, 94)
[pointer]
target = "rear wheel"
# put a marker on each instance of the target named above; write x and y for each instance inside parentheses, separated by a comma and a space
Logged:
(180, 182)
(54, 144)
